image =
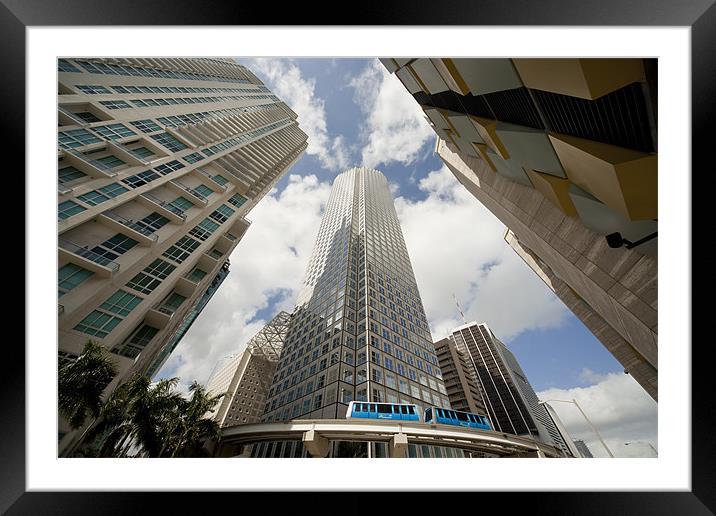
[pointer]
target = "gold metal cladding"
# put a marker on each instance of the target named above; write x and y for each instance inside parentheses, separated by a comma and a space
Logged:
(462, 86)
(623, 179)
(555, 189)
(481, 149)
(487, 130)
(583, 78)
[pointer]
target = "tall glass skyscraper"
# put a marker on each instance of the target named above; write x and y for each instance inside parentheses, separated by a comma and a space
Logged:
(359, 329)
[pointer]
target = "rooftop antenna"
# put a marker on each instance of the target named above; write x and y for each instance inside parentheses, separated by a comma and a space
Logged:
(458, 308)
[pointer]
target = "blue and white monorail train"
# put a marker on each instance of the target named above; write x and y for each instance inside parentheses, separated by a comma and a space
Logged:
(456, 417)
(390, 411)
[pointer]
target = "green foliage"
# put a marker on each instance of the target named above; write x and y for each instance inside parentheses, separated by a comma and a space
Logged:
(81, 383)
(142, 419)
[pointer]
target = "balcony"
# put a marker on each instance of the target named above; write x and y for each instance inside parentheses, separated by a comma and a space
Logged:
(100, 167)
(87, 259)
(195, 196)
(171, 212)
(213, 184)
(130, 228)
(158, 317)
(69, 116)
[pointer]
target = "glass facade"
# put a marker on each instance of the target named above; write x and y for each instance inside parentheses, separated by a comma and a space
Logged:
(359, 330)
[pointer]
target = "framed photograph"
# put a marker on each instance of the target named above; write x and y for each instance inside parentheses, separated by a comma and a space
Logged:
(286, 64)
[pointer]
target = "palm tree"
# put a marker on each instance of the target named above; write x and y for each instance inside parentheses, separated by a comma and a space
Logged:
(81, 383)
(194, 428)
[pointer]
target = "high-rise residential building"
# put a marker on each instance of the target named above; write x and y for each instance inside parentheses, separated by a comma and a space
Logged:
(583, 449)
(511, 403)
(359, 330)
(159, 162)
(462, 389)
(172, 340)
(245, 378)
(563, 152)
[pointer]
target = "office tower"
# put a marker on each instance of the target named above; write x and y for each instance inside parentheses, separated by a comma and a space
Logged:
(245, 378)
(566, 440)
(159, 162)
(461, 386)
(359, 330)
(172, 340)
(511, 403)
(583, 449)
(563, 152)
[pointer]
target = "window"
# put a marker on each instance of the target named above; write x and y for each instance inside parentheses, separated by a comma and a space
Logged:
(152, 275)
(222, 214)
(168, 141)
(141, 179)
(204, 229)
(114, 131)
(181, 203)
(114, 104)
(109, 314)
(220, 179)
(121, 303)
(93, 90)
(111, 161)
(103, 194)
(87, 117)
(146, 126)
(193, 157)
(168, 167)
(69, 174)
(137, 342)
(64, 66)
(150, 224)
(76, 138)
(196, 275)
(182, 249)
(237, 200)
(203, 191)
(173, 302)
(142, 152)
(68, 208)
(69, 276)
(118, 244)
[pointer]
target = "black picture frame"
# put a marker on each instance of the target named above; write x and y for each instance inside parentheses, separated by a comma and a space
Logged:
(700, 16)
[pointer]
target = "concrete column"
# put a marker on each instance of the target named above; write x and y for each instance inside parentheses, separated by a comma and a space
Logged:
(398, 447)
(316, 445)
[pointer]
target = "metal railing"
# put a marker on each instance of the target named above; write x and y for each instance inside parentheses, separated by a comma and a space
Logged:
(74, 117)
(193, 192)
(93, 162)
(132, 225)
(89, 255)
(206, 174)
(165, 205)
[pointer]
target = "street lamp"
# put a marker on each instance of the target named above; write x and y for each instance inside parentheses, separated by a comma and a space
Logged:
(574, 402)
(656, 453)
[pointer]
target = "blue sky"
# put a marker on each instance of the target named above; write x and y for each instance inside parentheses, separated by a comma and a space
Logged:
(355, 114)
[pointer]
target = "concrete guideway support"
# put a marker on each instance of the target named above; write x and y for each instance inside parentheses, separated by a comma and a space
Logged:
(398, 447)
(316, 444)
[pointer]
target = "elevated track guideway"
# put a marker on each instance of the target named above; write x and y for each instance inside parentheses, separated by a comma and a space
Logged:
(316, 435)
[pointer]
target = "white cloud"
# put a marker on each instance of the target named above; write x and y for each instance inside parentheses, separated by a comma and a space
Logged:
(285, 80)
(395, 127)
(269, 261)
(456, 247)
(617, 406)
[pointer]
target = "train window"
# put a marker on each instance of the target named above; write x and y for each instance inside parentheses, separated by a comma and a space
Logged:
(439, 412)
(411, 409)
(429, 414)
(396, 409)
(453, 415)
(358, 407)
(461, 416)
(384, 409)
(471, 418)
(373, 407)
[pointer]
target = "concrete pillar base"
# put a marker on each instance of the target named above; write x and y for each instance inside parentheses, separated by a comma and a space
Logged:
(316, 445)
(398, 447)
